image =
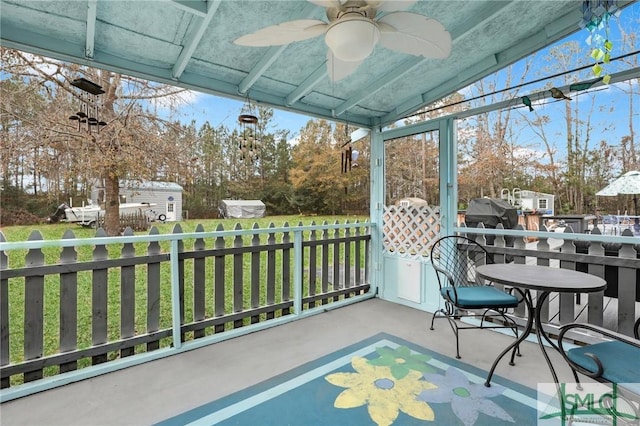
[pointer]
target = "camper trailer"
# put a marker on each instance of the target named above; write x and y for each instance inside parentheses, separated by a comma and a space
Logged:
(530, 201)
(165, 196)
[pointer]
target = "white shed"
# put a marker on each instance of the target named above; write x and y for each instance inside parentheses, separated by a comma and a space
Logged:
(167, 197)
(242, 209)
(528, 201)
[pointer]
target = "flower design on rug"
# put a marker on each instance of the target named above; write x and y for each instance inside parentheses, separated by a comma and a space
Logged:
(384, 395)
(467, 399)
(402, 360)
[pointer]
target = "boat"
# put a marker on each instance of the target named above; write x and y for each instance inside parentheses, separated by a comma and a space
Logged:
(88, 215)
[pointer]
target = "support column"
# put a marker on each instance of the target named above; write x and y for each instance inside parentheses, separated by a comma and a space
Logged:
(448, 159)
(377, 184)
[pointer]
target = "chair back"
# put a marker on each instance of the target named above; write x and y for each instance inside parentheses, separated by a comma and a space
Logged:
(456, 258)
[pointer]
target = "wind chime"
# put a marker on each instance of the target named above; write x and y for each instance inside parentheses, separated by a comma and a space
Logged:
(595, 19)
(349, 156)
(250, 144)
(88, 116)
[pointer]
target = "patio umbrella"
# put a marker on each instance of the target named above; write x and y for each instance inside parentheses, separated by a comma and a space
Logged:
(628, 183)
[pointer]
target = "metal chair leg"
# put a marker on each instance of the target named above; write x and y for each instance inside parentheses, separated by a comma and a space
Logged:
(452, 324)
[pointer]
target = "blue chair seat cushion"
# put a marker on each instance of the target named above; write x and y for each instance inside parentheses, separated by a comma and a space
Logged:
(479, 297)
(620, 362)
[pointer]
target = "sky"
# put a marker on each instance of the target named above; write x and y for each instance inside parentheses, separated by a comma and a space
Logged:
(223, 111)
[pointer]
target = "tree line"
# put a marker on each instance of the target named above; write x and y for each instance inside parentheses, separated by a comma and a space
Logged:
(46, 160)
(566, 151)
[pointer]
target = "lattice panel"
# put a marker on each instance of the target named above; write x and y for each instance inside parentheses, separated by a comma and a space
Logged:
(410, 231)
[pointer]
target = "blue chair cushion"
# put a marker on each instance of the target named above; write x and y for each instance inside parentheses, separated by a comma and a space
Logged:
(479, 297)
(620, 362)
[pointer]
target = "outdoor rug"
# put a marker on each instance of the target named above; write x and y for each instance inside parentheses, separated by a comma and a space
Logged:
(382, 380)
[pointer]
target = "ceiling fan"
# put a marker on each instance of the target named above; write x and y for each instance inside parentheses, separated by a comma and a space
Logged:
(353, 31)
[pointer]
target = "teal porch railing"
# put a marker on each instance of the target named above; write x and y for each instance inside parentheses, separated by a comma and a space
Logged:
(75, 308)
(614, 258)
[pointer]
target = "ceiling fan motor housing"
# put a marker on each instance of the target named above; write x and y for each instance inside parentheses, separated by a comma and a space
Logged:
(352, 37)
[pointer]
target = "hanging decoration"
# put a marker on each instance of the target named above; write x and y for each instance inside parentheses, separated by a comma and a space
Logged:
(577, 87)
(596, 15)
(349, 155)
(88, 116)
(558, 94)
(250, 141)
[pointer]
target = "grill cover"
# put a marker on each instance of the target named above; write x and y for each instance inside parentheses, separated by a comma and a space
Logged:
(491, 212)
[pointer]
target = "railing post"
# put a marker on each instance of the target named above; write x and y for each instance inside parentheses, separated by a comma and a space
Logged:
(626, 291)
(500, 241)
(219, 281)
(5, 355)
(325, 262)
(566, 311)
(358, 254)
(153, 290)
(286, 269)
(127, 296)
(347, 260)
(595, 309)
(68, 304)
(336, 260)
(271, 271)
(520, 244)
(297, 271)
(199, 278)
(543, 245)
(176, 310)
(177, 229)
(238, 277)
(313, 265)
(255, 274)
(367, 254)
(34, 310)
(99, 300)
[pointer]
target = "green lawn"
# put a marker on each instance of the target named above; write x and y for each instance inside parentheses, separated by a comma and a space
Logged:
(85, 253)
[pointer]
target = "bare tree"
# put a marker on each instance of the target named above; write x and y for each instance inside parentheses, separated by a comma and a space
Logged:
(137, 143)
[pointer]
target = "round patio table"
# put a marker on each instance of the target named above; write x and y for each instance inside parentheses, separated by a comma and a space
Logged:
(546, 280)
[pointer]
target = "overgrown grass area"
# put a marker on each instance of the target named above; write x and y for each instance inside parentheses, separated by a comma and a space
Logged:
(52, 293)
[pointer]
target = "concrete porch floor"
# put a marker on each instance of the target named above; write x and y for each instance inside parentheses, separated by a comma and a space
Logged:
(157, 390)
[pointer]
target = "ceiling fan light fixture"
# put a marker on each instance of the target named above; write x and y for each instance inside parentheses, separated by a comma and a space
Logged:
(352, 39)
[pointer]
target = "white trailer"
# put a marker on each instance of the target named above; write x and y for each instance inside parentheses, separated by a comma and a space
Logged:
(166, 197)
(530, 201)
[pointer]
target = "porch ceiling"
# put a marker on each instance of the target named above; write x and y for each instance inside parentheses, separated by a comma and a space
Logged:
(189, 43)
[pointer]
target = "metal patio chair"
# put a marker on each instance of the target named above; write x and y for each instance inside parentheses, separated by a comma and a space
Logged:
(613, 360)
(455, 259)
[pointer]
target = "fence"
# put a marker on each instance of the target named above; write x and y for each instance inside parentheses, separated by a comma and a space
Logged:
(138, 221)
(75, 303)
(613, 258)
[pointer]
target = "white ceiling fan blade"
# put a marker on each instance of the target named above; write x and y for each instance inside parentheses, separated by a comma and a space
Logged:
(338, 69)
(414, 34)
(284, 33)
(391, 5)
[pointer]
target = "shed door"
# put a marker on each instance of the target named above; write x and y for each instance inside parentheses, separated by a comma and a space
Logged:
(171, 211)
